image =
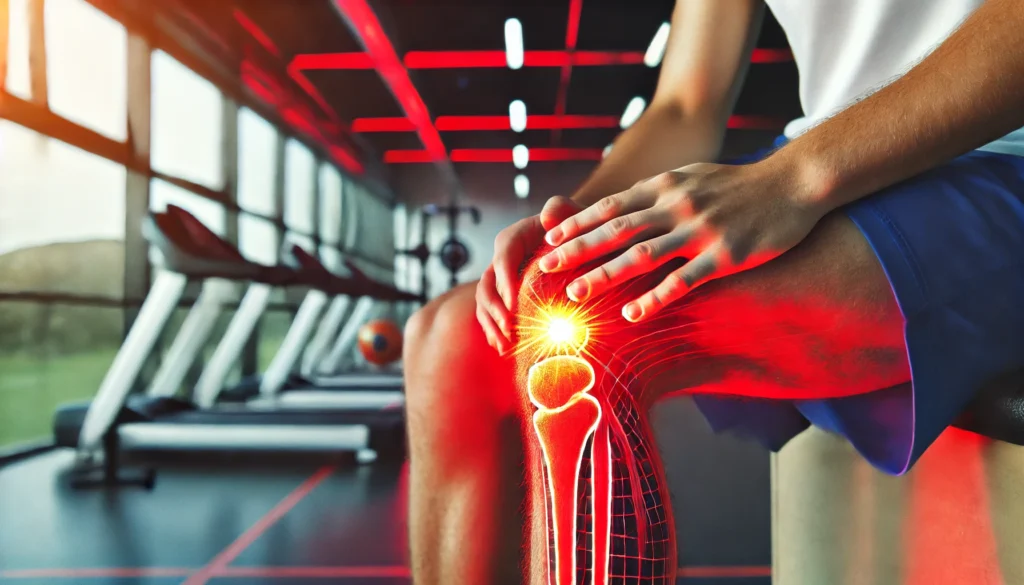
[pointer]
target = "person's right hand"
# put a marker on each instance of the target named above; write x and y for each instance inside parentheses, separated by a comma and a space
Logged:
(497, 287)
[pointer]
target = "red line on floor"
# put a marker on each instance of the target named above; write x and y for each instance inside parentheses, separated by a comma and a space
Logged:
(220, 562)
(96, 573)
(316, 572)
(223, 571)
(725, 572)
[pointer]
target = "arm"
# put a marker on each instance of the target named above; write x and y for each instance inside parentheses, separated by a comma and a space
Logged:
(705, 61)
(968, 92)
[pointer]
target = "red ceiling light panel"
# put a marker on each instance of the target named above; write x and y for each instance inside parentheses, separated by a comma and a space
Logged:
(366, 25)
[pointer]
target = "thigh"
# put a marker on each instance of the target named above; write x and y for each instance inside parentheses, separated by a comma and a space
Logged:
(820, 320)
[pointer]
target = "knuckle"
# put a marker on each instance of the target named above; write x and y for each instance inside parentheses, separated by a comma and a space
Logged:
(664, 181)
(677, 280)
(620, 225)
(643, 252)
(608, 205)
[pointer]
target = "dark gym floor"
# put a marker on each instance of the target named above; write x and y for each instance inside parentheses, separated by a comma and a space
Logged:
(276, 525)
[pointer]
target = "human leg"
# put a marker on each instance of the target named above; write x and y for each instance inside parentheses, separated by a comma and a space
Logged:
(808, 325)
(467, 519)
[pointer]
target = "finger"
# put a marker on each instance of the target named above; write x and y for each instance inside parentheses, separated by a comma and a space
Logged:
(487, 296)
(494, 337)
(613, 235)
(640, 259)
(558, 209)
(592, 217)
(509, 253)
(697, 271)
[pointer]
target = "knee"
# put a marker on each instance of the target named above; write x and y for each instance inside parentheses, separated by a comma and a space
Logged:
(450, 317)
(447, 360)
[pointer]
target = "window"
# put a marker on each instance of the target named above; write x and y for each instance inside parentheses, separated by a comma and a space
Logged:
(19, 77)
(330, 204)
(376, 226)
(86, 67)
(257, 143)
(61, 216)
(298, 187)
(186, 123)
(50, 354)
(209, 212)
(257, 239)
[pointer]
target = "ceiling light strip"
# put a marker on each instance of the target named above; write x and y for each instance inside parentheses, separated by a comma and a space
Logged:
(540, 122)
(571, 36)
(367, 28)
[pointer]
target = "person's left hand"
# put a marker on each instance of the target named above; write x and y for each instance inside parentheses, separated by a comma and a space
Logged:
(724, 219)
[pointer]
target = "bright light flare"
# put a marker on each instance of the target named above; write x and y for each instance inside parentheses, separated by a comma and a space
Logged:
(557, 329)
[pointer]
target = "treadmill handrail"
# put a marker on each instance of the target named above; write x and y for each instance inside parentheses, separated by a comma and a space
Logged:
(192, 249)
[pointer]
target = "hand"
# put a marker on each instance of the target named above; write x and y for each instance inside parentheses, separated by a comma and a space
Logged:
(724, 219)
(497, 288)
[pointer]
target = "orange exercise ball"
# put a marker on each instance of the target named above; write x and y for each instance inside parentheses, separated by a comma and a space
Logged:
(380, 342)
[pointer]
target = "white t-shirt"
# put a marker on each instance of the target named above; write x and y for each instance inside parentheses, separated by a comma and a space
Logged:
(846, 49)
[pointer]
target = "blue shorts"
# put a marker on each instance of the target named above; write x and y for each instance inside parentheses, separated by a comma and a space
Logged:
(951, 242)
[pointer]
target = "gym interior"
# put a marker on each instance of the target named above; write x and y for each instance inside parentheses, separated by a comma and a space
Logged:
(216, 217)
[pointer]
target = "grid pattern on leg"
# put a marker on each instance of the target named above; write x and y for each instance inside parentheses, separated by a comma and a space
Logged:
(638, 500)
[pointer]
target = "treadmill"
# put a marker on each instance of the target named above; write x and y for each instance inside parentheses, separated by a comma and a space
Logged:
(117, 421)
(280, 386)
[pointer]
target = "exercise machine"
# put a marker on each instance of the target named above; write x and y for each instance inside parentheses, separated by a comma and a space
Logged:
(117, 421)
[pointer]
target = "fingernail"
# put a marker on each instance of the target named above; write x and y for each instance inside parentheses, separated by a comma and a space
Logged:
(549, 262)
(554, 237)
(578, 291)
(632, 312)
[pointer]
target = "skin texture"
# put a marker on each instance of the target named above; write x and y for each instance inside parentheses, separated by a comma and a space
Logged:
(766, 243)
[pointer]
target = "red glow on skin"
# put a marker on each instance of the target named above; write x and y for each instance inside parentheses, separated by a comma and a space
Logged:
(565, 419)
(949, 500)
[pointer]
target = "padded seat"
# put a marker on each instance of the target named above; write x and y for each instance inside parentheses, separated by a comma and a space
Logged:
(998, 410)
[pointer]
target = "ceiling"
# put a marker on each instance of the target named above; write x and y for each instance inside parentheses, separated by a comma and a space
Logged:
(426, 83)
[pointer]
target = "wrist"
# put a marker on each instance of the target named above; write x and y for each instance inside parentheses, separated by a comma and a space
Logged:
(810, 179)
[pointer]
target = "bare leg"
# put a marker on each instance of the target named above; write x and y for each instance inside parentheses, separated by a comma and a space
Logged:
(467, 519)
(819, 321)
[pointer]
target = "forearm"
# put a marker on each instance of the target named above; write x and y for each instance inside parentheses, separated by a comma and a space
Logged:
(662, 139)
(968, 92)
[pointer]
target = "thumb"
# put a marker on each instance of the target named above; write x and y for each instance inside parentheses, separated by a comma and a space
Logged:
(556, 210)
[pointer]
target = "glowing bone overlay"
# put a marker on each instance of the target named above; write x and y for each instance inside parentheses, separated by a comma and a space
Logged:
(607, 511)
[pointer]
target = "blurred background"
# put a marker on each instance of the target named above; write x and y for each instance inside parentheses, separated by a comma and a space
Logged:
(337, 126)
